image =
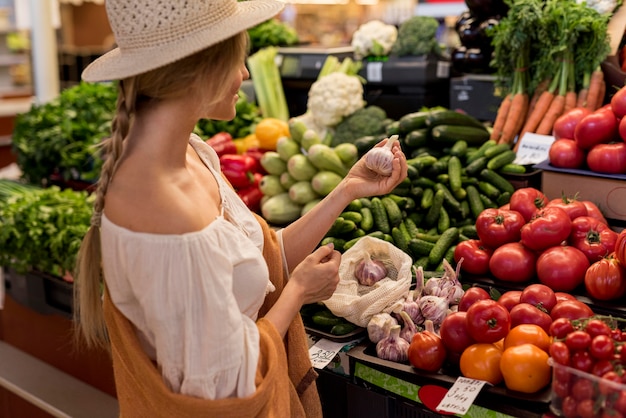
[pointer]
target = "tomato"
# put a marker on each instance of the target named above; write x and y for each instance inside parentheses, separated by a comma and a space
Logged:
(528, 334)
(594, 211)
(482, 361)
(488, 321)
(618, 103)
(581, 360)
(562, 268)
(621, 129)
(559, 352)
(596, 128)
(602, 367)
(571, 309)
(564, 296)
(602, 347)
(475, 256)
(426, 351)
(572, 206)
(595, 327)
(610, 381)
(606, 279)
(525, 313)
(453, 332)
(592, 237)
(577, 340)
(549, 226)
(565, 124)
(513, 262)
(582, 389)
(568, 407)
(539, 295)
(565, 153)
(496, 227)
(510, 298)
(471, 295)
(525, 368)
(620, 247)
(608, 158)
(560, 327)
(527, 201)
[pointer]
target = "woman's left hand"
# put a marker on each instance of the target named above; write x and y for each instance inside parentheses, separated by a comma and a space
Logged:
(363, 182)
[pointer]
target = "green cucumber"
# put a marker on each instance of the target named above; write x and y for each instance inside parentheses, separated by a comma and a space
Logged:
(353, 216)
(496, 150)
(416, 138)
(381, 220)
(452, 118)
(454, 173)
(443, 223)
(497, 180)
(394, 214)
(433, 212)
(419, 247)
(447, 239)
(449, 134)
(480, 152)
(473, 198)
(500, 160)
(367, 219)
(343, 329)
(412, 121)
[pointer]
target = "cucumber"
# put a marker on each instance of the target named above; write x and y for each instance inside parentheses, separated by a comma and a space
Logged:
(419, 247)
(503, 199)
(447, 239)
(497, 180)
(427, 237)
(449, 199)
(355, 205)
(459, 149)
(401, 201)
(480, 152)
(341, 226)
(366, 143)
(416, 138)
(394, 214)
(443, 223)
(452, 118)
(427, 198)
(454, 173)
(392, 128)
(326, 319)
(476, 166)
(350, 243)
(496, 150)
(469, 231)
(412, 121)
(412, 172)
(400, 239)
(473, 198)
(367, 219)
(487, 202)
(411, 227)
(500, 160)
(338, 243)
(343, 329)
(421, 262)
(353, 216)
(381, 220)
(423, 182)
(365, 202)
(488, 189)
(433, 212)
(449, 134)
(421, 162)
(513, 169)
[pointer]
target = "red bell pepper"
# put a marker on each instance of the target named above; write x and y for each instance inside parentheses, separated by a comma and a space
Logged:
(257, 153)
(238, 169)
(222, 143)
(251, 196)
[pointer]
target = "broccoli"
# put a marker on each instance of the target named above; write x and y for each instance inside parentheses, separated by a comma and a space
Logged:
(417, 36)
(369, 120)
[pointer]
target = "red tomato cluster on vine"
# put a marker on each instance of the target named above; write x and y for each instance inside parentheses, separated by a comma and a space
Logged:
(593, 346)
(592, 139)
(564, 243)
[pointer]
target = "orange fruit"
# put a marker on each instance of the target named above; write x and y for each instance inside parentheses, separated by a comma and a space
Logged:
(482, 361)
(528, 334)
(525, 368)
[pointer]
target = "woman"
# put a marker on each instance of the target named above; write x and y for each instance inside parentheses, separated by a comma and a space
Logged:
(198, 311)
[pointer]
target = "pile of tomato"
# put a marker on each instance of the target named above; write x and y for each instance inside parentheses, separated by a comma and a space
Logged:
(563, 243)
(589, 360)
(506, 338)
(592, 139)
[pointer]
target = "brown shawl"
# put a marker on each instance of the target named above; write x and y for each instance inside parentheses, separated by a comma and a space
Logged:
(285, 380)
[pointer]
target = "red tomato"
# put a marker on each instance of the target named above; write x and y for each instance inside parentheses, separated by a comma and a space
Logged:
(565, 153)
(488, 321)
(618, 103)
(599, 127)
(570, 309)
(527, 201)
(602, 347)
(475, 256)
(470, 296)
(510, 298)
(572, 206)
(562, 268)
(525, 313)
(426, 351)
(594, 211)
(550, 226)
(620, 247)
(559, 352)
(621, 129)
(608, 158)
(513, 262)
(595, 239)
(454, 333)
(606, 279)
(597, 327)
(563, 296)
(560, 327)
(497, 226)
(539, 295)
(565, 124)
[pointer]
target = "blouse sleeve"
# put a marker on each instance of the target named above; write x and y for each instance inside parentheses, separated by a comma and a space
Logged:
(181, 299)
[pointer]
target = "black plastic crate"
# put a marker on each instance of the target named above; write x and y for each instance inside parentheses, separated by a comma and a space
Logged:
(41, 292)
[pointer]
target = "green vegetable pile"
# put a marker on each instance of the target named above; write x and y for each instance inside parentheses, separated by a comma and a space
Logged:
(272, 32)
(370, 120)
(58, 137)
(248, 115)
(42, 228)
(417, 36)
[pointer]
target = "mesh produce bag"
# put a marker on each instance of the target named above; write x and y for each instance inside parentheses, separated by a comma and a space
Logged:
(358, 303)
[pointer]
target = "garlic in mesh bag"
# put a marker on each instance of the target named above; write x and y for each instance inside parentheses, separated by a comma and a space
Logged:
(363, 291)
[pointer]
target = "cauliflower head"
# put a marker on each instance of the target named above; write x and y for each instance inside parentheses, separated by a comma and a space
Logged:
(604, 7)
(373, 38)
(333, 97)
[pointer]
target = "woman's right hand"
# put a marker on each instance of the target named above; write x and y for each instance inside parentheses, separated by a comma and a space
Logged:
(318, 274)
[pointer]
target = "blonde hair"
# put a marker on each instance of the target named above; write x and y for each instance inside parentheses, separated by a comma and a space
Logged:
(171, 81)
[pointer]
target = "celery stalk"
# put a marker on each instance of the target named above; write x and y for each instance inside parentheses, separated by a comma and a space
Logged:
(267, 83)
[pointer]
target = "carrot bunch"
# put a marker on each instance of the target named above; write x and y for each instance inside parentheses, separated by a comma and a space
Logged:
(533, 37)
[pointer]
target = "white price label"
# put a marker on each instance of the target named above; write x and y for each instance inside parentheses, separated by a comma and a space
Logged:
(533, 149)
(461, 395)
(323, 352)
(375, 71)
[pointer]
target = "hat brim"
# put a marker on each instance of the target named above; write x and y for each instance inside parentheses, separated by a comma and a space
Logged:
(117, 64)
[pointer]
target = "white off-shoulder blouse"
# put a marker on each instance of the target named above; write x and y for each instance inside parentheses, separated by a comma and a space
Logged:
(194, 297)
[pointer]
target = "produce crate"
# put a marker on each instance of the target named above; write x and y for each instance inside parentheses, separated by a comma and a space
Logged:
(404, 381)
(41, 292)
(532, 178)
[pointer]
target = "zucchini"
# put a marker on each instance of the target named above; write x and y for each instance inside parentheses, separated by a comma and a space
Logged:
(392, 128)
(366, 143)
(452, 118)
(394, 214)
(381, 220)
(449, 134)
(447, 239)
(497, 180)
(500, 160)
(416, 138)
(412, 121)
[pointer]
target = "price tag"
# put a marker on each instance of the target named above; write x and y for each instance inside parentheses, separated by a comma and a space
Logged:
(533, 149)
(374, 71)
(323, 352)
(461, 395)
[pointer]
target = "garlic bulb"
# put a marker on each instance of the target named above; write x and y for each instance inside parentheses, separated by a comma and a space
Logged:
(434, 308)
(370, 271)
(409, 329)
(379, 325)
(412, 308)
(380, 159)
(393, 347)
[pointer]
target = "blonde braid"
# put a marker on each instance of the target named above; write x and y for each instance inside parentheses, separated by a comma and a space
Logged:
(88, 315)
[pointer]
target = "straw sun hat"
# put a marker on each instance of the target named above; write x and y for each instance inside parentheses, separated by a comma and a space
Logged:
(152, 33)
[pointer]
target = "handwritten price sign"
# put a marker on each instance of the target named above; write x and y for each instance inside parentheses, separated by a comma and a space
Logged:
(461, 395)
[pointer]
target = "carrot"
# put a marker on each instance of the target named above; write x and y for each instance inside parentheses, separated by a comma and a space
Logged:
(581, 100)
(541, 87)
(501, 117)
(595, 89)
(554, 111)
(570, 100)
(515, 120)
(541, 107)
(601, 95)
